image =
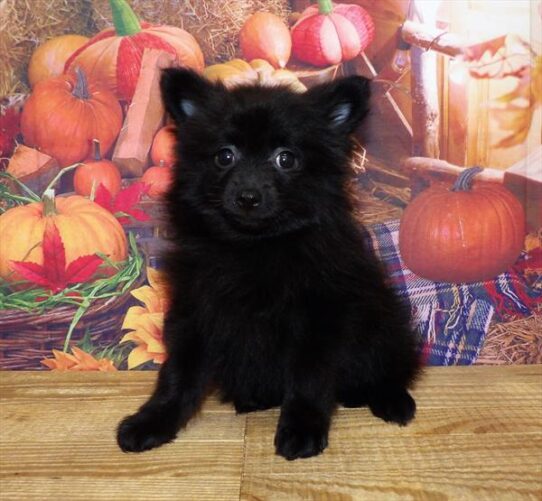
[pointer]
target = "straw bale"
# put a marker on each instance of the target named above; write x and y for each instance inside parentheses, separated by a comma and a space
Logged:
(515, 342)
(25, 24)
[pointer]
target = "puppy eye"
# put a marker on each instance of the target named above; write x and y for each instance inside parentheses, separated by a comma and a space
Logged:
(225, 158)
(285, 160)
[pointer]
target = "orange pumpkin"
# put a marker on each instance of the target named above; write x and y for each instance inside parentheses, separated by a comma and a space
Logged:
(85, 228)
(163, 146)
(95, 172)
(49, 58)
(64, 114)
(158, 178)
(463, 234)
(265, 36)
(239, 72)
(114, 55)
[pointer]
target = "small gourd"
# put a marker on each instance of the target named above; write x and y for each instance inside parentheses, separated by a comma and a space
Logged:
(97, 171)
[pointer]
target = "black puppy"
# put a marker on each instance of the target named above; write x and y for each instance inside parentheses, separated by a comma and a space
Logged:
(275, 299)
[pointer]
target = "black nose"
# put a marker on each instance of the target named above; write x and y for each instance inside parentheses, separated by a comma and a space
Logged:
(248, 199)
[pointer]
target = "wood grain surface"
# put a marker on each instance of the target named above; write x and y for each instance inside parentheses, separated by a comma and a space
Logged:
(477, 435)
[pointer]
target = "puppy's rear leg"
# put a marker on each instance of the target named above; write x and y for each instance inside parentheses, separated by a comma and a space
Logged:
(392, 403)
(178, 394)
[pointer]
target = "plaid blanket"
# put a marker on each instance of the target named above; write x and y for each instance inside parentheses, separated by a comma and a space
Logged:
(452, 319)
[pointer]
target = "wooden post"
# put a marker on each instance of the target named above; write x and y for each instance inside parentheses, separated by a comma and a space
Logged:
(439, 170)
(145, 115)
(425, 105)
(431, 38)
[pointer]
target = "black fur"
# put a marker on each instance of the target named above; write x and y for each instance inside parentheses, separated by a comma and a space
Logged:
(275, 299)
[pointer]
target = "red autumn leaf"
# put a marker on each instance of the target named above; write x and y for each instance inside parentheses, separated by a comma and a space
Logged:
(122, 206)
(501, 57)
(9, 130)
(476, 51)
(83, 268)
(130, 196)
(128, 217)
(103, 198)
(33, 272)
(53, 274)
(54, 256)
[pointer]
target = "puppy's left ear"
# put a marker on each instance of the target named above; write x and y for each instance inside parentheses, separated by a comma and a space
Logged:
(344, 103)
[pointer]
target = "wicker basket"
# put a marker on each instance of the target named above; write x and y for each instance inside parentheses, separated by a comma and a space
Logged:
(26, 338)
(150, 235)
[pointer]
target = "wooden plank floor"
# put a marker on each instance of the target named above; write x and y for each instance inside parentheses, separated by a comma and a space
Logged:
(478, 435)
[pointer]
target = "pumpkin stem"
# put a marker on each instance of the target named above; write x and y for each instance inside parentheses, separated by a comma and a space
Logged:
(96, 152)
(464, 181)
(325, 6)
(124, 19)
(80, 91)
(48, 200)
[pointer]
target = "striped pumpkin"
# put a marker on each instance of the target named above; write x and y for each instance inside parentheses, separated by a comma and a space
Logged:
(114, 55)
(328, 34)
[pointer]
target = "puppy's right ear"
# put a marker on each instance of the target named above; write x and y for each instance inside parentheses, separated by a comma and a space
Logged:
(342, 103)
(184, 93)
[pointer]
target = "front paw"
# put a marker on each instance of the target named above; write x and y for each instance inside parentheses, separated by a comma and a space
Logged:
(143, 431)
(396, 406)
(293, 440)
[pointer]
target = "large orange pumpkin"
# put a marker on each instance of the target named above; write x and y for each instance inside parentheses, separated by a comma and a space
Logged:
(64, 114)
(48, 59)
(85, 228)
(114, 55)
(265, 36)
(465, 233)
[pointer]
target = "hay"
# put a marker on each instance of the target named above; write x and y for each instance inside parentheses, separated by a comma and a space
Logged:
(515, 342)
(214, 23)
(371, 209)
(25, 24)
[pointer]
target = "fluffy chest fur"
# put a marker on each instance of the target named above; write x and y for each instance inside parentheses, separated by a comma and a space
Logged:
(253, 305)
